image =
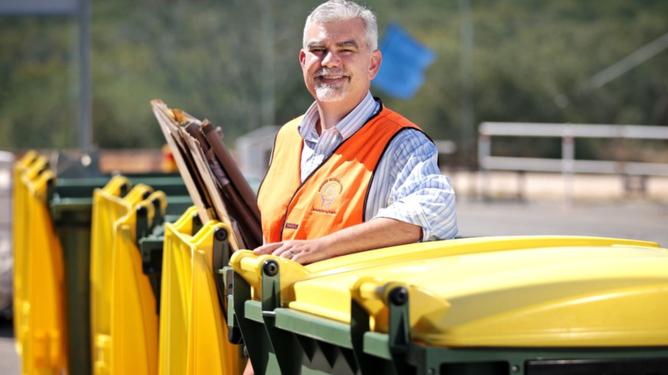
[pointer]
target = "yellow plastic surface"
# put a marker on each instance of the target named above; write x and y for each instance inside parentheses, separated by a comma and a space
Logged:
(108, 209)
(39, 277)
(209, 351)
(495, 291)
(190, 312)
(249, 265)
(175, 295)
(563, 295)
(19, 232)
(134, 319)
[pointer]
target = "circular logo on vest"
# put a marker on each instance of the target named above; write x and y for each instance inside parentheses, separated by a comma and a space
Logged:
(329, 191)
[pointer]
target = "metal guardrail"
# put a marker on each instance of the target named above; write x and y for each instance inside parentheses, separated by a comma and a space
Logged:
(567, 164)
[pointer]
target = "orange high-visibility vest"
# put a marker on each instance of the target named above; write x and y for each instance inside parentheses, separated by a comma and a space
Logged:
(334, 196)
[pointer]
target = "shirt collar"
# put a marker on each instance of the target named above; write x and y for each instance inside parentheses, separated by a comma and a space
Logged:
(347, 126)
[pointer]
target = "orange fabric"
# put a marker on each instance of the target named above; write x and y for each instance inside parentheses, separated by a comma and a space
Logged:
(334, 196)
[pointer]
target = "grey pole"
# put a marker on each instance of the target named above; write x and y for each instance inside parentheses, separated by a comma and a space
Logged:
(85, 101)
(80, 9)
(636, 58)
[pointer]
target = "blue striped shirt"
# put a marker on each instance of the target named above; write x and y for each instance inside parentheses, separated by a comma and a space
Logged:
(407, 186)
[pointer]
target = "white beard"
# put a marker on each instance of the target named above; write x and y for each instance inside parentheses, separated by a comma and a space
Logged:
(329, 93)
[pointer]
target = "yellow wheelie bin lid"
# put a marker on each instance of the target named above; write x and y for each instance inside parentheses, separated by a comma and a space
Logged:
(109, 207)
(41, 322)
(249, 265)
(190, 310)
(557, 293)
(176, 295)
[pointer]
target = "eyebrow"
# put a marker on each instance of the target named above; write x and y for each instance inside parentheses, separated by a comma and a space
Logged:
(315, 45)
(345, 43)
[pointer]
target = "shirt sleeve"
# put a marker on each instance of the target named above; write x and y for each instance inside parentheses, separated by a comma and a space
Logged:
(418, 193)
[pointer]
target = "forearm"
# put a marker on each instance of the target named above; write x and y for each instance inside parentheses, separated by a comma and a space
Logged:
(373, 234)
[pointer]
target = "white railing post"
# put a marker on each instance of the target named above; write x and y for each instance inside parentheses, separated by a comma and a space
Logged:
(567, 162)
(484, 151)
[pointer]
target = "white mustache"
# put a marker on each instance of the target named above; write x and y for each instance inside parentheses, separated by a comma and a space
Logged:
(329, 72)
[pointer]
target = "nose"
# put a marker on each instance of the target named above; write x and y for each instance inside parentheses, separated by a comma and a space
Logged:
(330, 59)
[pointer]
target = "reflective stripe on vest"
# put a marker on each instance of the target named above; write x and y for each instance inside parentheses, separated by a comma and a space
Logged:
(334, 196)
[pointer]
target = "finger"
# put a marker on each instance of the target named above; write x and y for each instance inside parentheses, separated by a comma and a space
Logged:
(306, 257)
(267, 248)
(285, 251)
(287, 255)
(301, 258)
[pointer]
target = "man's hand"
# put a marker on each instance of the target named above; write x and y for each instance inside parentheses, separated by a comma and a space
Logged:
(301, 251)
(373, 234)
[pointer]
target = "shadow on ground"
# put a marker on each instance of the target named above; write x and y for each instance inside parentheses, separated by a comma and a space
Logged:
(9, 360)
(6, 328)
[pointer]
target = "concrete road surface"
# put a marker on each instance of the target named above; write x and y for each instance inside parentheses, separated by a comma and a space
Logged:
(642, 220)
(9, 361)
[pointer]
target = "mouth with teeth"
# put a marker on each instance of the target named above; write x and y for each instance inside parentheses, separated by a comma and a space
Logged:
(331, 78)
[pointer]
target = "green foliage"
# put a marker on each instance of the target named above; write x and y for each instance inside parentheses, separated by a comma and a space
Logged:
(37, 104)
(531, 60)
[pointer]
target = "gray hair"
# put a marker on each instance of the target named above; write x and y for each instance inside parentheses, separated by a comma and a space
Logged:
(339, 10)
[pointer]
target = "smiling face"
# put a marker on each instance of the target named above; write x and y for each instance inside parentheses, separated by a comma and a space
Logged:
(337, 64)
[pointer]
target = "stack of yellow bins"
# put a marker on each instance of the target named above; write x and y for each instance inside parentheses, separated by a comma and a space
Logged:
(38, 278)
(123, 308)
(193, 335)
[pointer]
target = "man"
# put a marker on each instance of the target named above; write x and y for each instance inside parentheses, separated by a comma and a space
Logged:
(350, 175)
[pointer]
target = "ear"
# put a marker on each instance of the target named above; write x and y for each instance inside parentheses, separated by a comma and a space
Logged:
(374, 64)
(302, 58)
